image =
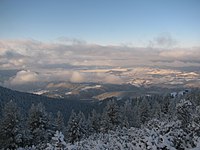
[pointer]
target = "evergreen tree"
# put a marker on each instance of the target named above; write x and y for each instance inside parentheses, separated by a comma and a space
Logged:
(39, 126)
(10, 127)
(127, 114)
(156, 110)
(144, 111)
(82, 125)
(184, 112)
(59, 122)
(57, 142)
(172, 110)
(111, 116)
(165, 105)
(136, 117)
(75, 127)
(94, 122)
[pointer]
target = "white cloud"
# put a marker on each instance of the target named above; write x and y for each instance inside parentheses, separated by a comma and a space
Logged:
(77, 77)
(23, 77)
(182, 54)
(177, 54)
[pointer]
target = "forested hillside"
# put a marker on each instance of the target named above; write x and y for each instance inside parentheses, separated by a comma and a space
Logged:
(25, 100)
(149, 122)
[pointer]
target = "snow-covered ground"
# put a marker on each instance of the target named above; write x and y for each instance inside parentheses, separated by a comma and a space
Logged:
(40, 92)
(91, 87)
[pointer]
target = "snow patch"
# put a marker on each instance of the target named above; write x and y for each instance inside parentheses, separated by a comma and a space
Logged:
(40, 92)
(91, 87)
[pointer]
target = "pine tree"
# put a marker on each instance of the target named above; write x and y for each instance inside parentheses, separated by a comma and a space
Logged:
(127, 114)
(184, 112)
(73, 128)
(57, 142)
(156, 110)
(172, 109)
(136, 117)
(59, 122)
(10, 129)
(94, 122)
(144, 111)
(165, 105)
(83, 125)
(39, 126)
(111, 116)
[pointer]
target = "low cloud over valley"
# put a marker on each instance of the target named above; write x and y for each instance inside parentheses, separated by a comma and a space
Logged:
(77, 61)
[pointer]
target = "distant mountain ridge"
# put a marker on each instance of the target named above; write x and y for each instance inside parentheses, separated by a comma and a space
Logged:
(25, 100)
(97, 91)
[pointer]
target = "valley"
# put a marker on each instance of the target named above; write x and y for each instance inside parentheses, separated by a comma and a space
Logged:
(135, 82)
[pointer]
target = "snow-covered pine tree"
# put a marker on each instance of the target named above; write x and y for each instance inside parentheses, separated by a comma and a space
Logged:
(165, 105)
(105, 124)
(52, 123)
(39, 126)
(59, 122)
(184, 112)
(83, 125)
(127, 114)
(144, 110)
(111, 116)
(136, 114)
(94, 122)
(123, 119)
(57, 142)
(73, 128)
(10, 127)
(156, 110)
(172, 109)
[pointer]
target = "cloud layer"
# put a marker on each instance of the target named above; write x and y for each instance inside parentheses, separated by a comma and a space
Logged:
(72, 60)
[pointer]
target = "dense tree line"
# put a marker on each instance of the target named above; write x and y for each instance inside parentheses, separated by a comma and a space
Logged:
(164, 113)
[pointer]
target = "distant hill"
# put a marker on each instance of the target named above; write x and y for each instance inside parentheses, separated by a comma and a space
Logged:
(96, 91)
(25, 100)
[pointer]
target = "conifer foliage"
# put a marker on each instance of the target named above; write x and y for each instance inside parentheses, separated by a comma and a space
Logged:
(152, 123)
(39, 125)
(76, 127)
(10, 127)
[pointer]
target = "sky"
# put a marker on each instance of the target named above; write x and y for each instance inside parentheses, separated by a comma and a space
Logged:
(105, 22)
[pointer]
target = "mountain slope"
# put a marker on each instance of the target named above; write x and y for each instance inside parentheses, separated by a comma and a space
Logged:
(25, 100)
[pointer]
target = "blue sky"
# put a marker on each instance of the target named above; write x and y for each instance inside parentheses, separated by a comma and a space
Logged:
(106, 22)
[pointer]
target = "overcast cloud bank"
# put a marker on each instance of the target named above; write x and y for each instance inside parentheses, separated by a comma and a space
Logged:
(70, 60)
